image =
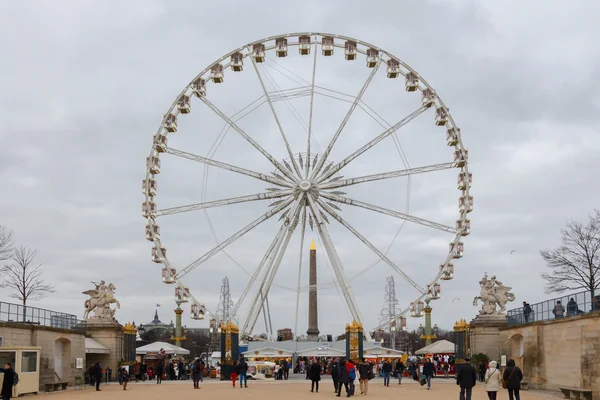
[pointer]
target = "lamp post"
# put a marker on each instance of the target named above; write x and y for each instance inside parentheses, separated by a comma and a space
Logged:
(427, 333)
(181, 296)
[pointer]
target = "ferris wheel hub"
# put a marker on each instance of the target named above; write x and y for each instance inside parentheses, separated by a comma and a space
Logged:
(305, 186)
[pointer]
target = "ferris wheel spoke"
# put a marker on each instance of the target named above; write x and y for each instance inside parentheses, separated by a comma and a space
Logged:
(386, 175)
(336, 263)
(331, 171)
(259, 295)
(310, 116)
(382, 210)
(235, 237)
(239, 130)
(261, 265)
(302, 232)
(357, 99)
(287, 143)
(229, 167)
(223, 202)
(290, 223)
(370, 245)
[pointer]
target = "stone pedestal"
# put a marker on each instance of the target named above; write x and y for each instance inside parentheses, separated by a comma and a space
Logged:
(485, 335)
(111, 336)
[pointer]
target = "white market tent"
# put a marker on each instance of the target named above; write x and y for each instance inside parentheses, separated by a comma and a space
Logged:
(321, 352)
(157, 346)
(267, 352)
(439, 347)
(382, 352)
(93, 347)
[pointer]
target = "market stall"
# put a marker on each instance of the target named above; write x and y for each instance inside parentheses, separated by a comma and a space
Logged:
(440, 352)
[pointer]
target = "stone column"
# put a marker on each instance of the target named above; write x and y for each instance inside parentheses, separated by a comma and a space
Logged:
(179, 333)
(313, 310)
(428, 334)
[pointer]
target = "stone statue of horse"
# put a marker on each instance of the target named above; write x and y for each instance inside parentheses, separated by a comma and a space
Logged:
(98, 299)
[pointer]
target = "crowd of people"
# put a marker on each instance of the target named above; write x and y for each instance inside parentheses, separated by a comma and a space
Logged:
(492, 377)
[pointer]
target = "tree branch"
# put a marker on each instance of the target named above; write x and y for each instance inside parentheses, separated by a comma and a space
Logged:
(24, 279)
(575, 264)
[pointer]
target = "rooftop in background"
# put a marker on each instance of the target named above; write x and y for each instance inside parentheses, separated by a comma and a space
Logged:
(574, 304)
(19, 314)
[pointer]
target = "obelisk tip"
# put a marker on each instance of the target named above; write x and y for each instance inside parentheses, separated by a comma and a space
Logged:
(312, 245)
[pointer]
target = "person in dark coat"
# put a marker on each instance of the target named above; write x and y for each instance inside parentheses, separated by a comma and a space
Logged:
(428, 371)
(7, 384)
(314, 373)
(98, 375)
(196, 370)
(482, 370)
(399, 371)
(466, 378)
(513, 377)
(160, 369)
(333, 370)
(343, 378)
(243, 371)
(235, 369)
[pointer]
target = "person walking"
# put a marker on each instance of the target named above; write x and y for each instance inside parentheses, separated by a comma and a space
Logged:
(466, 379)
(572, 308)
(97, 375)
(8, 382)
(526, 311)
(125, 379)
(493, 380)
(428, 371)
(513, 377)
(235, 368)
(446, 369)
(481, 371)
(314, 373)
(196, 371)
(343, 378)
(399, 371)
(386, 368)
(364, 376)
(559, 310)
(334, 374)
(159, 372)
(351, 375)
(243, 371)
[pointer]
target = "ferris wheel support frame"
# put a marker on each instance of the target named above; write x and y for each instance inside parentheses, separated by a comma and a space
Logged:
(306, 190)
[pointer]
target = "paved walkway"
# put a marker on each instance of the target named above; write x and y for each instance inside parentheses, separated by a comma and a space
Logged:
(284, 390)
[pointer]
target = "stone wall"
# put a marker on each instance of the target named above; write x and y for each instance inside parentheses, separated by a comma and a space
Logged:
(71, 345)
(563, 352)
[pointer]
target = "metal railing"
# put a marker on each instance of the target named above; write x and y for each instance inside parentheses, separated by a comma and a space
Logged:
(574, 304)
(17, 313)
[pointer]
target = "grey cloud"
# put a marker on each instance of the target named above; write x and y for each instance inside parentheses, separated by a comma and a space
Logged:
(82, 92)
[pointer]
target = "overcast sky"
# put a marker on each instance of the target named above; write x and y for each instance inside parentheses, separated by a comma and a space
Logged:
(84, 86)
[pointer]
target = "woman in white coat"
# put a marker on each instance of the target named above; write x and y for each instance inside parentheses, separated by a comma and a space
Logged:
(493, 380)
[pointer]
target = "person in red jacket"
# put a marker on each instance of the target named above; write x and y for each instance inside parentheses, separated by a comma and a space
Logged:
(351, 374)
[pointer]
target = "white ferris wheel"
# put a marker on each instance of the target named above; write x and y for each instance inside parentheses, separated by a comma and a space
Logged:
(303, 188)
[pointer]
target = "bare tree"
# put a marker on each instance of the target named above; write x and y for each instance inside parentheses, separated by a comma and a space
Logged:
(24, 278)
(575, 264)
(6, 244)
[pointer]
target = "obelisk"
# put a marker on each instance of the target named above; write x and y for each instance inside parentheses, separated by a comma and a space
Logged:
(313, 316)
